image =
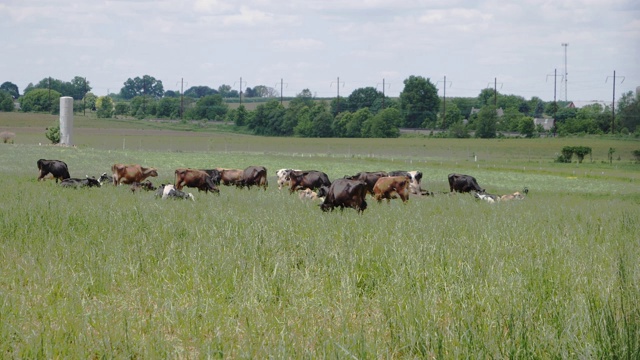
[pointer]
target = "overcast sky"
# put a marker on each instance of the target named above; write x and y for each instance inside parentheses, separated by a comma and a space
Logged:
(310, 44)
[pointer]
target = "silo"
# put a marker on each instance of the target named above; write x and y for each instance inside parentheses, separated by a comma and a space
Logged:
(66, 120)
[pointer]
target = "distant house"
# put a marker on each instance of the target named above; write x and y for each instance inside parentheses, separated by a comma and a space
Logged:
(500, 112)
(547, 124)
(581, 103)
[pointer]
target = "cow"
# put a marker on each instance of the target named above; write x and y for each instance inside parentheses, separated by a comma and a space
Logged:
(368, 177)
(105, 179)
(515, 196)
(128, 174)
(231, 177)
(170, 192)
(308, 194)
(196, 179)
(214, 174)
(346, 193)
(464, 183)
(308, 179)
(255, 175)
(79, 183)
(145, 185)
(283, 177)
(415, 177)
(387, 187)
(57, 168)
(491, 199)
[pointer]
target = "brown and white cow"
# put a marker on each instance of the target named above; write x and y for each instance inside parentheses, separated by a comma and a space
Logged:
(515, 196)
(128, 174)
(415, 178)
(388, 187)
(231, 177)
(196, 179)
(283, 177)
(255, 175)
(346, 193)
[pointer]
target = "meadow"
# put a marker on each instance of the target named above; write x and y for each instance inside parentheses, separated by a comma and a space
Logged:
(93, 273)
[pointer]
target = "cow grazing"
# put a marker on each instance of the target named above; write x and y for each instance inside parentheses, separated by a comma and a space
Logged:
(308, 179)
(80, 183)
(463, 183)
(145, 185)
(415, 177)
(231, 177)
(368, 177)
(346, 193)
(283, 177)
(128, 174)
(170, 192)
(388, 187)
(214, 174)
(199, 179)
(105, 179)
(57, 168)
(255, 175)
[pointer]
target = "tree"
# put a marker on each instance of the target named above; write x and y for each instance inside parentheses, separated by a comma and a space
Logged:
(77, 88)
(209, 107)
(419, 102)
(226, 92)
(168, 107)
(141, 86)
(197, 92)
(458, 130)
(261, 91)
(11, 88)
(527, 127)
(38, 100)
(364, 97)
(385, 124)
(629, 111)
(6, 101)
(105, 107)
(510, 120)
(486, 122)
(267, 119)
(90, 101)
(486, 97)
(453, 115)
(121, 108)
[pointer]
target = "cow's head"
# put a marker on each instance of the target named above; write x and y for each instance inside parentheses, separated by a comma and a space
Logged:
(91, 181)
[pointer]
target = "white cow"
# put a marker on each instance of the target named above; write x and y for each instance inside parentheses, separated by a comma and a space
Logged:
(170, 192)
(283, 177)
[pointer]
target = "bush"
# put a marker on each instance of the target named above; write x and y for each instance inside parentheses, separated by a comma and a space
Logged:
(636, 154)
(53, 134)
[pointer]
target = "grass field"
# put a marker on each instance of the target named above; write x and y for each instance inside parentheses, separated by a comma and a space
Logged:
(94, 273)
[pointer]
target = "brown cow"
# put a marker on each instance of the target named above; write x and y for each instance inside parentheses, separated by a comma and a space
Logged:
(368, 177)
(128, 174)
(230, 177)
(196, 179)
(386, 187)
(307, 179)
(255, 175)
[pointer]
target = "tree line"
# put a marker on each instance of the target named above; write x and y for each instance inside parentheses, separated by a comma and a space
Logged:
(366, 112)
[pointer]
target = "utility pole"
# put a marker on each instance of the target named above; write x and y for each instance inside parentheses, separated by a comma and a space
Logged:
(84, 106)
(382, 93)
(281, 90)
(555, 103)
(338, 96)
(444, 117)
(495, 93)
(613, 104)
(181, 97)
(566, 73)
(240, 94)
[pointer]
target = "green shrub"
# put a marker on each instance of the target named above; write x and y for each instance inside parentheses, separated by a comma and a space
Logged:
(53, 134)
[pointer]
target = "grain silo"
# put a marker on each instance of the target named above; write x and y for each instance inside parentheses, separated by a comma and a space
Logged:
(66, 120)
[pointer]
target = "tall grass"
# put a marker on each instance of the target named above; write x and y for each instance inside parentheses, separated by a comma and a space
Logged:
(107, 273)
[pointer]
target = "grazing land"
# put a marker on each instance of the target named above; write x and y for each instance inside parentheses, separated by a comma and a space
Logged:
(104, 272)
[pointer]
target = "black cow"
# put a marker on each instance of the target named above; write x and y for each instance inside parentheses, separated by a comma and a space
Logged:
(308, 179)
(79, 183)
(346, 193)
(464, 183)
(369, 178)
(214, 175)
(105, 179)
(57, 168)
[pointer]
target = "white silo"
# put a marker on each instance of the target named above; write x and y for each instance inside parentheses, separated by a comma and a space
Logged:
(66, 120)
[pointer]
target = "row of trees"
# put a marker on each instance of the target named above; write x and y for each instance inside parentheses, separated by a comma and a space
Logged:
(366, 112)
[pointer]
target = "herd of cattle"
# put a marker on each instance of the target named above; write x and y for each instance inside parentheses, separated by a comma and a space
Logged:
(346, 192)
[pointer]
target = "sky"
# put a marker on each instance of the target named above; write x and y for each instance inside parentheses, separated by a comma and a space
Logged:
(330, 47)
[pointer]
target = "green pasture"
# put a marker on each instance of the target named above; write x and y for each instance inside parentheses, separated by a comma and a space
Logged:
(93, 273)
